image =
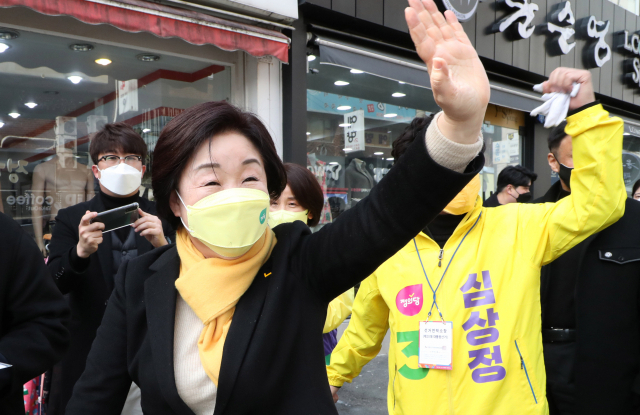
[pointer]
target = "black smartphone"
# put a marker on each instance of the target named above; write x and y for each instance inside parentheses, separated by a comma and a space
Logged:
(118, 218)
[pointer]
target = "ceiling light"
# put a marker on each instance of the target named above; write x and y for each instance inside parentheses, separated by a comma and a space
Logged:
(344, 125)
(308, 133)
(81, 47)
(8, 34)
(378, 153)
(311, 58)
(341, 83)
(31, 105)
(14, 115)
(398, 95)
(333, 162)
(343, 108)
(390, 159)
(356, 71)
(4, 47)
(389, 132)
(390, 115)
(400, 82)
(146, 130)
(148, 57)
(1, 124)
(626, 134)
(103, 61)
(346, 149)
(76, 79)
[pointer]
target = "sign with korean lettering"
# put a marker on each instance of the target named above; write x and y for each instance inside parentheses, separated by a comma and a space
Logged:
(354, 131)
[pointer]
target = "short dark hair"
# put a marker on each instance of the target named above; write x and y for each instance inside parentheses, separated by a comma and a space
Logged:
(635, 187)
(402, 143)
(515, 176)
(181, 137)
(115, 137)
(556, 135)
(306, 189)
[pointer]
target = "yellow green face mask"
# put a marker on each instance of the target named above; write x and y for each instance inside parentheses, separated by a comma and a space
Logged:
(466, 199)
(284, 216)
(229, 222)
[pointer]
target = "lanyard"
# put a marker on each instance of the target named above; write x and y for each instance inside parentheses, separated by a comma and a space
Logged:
(434, 303)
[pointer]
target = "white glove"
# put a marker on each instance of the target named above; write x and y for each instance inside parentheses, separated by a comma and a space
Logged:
(556, 105)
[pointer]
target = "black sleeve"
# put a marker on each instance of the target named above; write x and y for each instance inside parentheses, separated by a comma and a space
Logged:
(35, 314)
(414, 191)
(63, 241)
(105, 382)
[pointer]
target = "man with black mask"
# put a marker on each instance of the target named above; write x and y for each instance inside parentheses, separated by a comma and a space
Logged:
(590, 316)
(514, 186)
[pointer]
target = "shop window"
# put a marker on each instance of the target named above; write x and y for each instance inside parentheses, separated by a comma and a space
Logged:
(354, 117)
(632, 5)
(503, 138)
(58, 91)
(630, 160)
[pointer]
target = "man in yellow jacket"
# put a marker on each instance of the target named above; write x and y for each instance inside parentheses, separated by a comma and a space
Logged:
(486, 278)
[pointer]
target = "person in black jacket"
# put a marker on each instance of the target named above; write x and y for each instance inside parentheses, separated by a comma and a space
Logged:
(33, 316)
(202, 342)
(514, 186)
(84, 261)
(591, 309)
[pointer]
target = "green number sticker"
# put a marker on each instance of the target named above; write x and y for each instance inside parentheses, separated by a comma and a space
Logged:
(412, 349)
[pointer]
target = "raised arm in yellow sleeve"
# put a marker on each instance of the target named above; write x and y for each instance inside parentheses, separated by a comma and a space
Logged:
(597, 197)
(362, 339)
(339, 309)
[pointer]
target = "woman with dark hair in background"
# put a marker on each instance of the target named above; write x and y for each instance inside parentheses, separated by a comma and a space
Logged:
(302, 199)
(227, 319)
(634, 192)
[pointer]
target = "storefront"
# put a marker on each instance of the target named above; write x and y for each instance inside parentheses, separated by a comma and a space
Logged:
(70, 67)
(365, 83)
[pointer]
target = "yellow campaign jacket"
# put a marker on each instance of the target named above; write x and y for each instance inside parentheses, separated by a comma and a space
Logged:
(338, 310)
(491, 292)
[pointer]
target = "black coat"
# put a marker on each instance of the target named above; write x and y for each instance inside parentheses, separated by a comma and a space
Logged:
(33, 315)
(87, 292)
(607, 366)
(273, 359)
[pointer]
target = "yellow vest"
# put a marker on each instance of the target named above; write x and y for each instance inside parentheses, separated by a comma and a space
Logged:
(491, 292)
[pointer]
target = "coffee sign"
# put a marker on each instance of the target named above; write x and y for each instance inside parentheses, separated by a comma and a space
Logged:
(629, 44)
(463, 9)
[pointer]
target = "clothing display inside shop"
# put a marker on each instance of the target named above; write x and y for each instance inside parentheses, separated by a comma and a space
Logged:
(319, 169)
(358, 181)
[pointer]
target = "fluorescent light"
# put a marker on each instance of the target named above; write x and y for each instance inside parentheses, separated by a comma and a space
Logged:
(389, 132)
(4, 47)
(390, 159)
(390, 115)
(398, 95)
(333, 162)
(14, 115)
(343, 108)
(308, 133)
(346, 149)
(75, 79)
(311, 58)
(146, 130)
(1, 124)
(356, 71)
(344, 125)
(103, 61)
(626, 134)
(378, 153)
(400, 82)
(31, 105)
(341, 83)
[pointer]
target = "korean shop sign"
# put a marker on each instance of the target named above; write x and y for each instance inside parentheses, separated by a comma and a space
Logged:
(562, 27)
(354, 131)
(463, 9)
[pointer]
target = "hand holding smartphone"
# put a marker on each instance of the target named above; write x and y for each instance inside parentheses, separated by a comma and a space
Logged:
(118, 218)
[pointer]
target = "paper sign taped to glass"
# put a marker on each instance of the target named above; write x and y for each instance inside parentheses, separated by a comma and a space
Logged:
(436, 345)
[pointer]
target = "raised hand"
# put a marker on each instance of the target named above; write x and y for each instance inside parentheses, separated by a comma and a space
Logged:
(562, 80)
(459, 81)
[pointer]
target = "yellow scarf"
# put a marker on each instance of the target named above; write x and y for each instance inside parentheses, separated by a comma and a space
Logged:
(212, 288)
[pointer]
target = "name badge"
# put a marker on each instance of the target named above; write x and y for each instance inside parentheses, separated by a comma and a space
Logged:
(436, 345)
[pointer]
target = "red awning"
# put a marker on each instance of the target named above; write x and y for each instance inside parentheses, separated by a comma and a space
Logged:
(164, 21)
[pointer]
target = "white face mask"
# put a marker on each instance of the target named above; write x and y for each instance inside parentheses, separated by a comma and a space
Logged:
(121, 179)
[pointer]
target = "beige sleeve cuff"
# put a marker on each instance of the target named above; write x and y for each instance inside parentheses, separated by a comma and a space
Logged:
(447, 153)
